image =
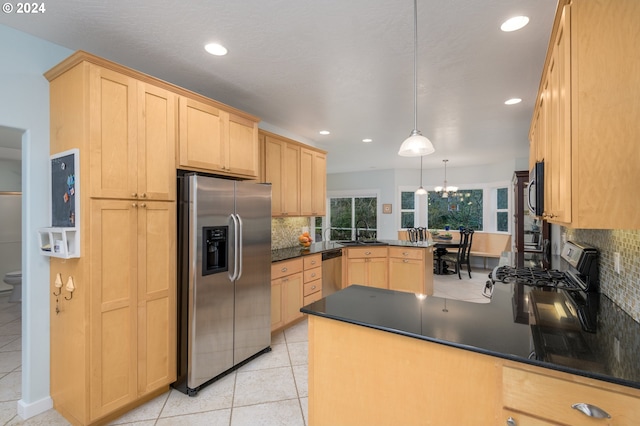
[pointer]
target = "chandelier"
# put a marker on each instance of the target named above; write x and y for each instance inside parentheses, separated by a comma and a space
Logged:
(415, 145)
(446, 189)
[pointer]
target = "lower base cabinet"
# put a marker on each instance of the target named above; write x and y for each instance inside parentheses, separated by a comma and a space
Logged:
(286, 292)
(367, 266)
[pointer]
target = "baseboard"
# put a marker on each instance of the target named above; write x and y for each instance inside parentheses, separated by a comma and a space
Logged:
(26, 411)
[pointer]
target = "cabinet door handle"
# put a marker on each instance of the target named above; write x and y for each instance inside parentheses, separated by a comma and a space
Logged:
(143, 205)
(404, 253)
(134, 205)
(591, 410)
(367, 253)
(283, 269)
(405, 261)
(313, 262)
(313, 274)
(144, 195)
(511, 422)
(134, 195)
(313, 287)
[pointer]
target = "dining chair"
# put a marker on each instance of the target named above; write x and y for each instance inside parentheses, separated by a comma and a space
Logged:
(462, 256)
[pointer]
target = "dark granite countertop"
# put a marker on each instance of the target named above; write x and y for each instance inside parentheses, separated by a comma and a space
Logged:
(315, 248)
(499, 328)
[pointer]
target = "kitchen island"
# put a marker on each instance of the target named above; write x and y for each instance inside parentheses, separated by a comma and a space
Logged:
(386, 357)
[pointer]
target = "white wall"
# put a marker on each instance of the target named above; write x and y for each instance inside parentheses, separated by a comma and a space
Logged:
(24, 104)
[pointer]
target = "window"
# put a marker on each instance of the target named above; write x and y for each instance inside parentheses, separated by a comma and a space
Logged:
(346, 214)
(502, 210)
(407, 209)
(463, 208)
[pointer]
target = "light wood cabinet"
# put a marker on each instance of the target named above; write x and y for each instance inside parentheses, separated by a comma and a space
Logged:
(297, 174)
(312, 278)
(396, 268)
(313, 182)
(113, 340)
(407, 270)
(126, 116)
(287, 287)
(214, 140)
(592, 103)
(282, 170)
(367, 266)
(132, 312)
(535, 396)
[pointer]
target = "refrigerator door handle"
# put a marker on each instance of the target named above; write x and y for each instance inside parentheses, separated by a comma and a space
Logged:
(239, 254)
(236, 230)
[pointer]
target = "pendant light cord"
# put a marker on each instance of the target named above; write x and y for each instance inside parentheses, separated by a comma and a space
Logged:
(415, 66)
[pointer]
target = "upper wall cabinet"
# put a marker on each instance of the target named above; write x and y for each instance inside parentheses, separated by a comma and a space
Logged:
(584, 125)
(217, 141)
(297, 173)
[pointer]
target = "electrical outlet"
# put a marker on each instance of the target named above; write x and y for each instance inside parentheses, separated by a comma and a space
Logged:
(616, 262)
(616, 349)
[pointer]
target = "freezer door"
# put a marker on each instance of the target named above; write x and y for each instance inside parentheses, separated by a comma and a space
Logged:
(253, 287)
(211, 292)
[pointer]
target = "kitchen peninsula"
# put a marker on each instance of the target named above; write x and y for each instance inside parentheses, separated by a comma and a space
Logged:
(386, 357)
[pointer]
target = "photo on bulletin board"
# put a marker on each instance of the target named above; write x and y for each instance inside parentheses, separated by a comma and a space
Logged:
(65, 189)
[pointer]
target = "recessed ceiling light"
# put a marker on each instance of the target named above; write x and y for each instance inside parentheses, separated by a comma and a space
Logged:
(324, 132)
(514, 23)
(367, 140)
(216, 49)
(512, 101)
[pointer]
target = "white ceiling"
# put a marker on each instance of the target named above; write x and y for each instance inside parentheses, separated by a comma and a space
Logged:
(345, 66)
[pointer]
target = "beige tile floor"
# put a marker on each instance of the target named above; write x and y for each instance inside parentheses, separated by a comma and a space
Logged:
(270, 390)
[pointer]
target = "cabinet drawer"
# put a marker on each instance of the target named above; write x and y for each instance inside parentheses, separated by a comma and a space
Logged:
(406, 253)
(286, 267)
(312, 261)
(551, 398)
(363, 252)
(312, 297)
(312, 274)
(312, 287)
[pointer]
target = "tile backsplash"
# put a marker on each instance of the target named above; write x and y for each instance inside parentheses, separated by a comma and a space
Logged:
(623, 288)
(286, 230)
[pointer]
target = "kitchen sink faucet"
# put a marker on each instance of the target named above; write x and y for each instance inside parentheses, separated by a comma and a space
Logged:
(357, 232)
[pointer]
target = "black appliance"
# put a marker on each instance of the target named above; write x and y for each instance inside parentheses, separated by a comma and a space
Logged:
(574, 284)
(535, 191)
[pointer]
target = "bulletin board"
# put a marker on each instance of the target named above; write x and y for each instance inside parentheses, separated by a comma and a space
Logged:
(65, 188)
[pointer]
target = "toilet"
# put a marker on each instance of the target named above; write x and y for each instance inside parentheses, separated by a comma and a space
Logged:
(15, 279)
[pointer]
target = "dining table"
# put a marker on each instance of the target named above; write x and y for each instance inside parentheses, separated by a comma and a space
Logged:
(441, 246)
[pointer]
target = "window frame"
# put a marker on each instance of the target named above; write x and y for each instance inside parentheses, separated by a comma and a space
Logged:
(358, 193)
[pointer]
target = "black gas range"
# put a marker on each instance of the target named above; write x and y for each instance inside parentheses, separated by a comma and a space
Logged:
(560, 305)
(572, 288)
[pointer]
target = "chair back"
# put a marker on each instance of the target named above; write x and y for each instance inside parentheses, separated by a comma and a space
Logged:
(467, 249)
(466, 236)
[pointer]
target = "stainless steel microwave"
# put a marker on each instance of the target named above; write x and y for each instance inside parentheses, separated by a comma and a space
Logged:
(535, 191)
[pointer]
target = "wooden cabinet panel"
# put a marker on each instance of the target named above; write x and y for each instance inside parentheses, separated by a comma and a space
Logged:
(113, 134)
(287, 292)
(297, 174)
(276, 304)
(113, 314)
(292, 295)
(201, 135)
(312, 274)
(313, 178)
(592, 107)
(529, 393)
(406, 253)
(156, 143)
(243, 150)
(369, 271)
(312, 261)
(156, 290)
(312, 287)
(406, 275)
(366, 252)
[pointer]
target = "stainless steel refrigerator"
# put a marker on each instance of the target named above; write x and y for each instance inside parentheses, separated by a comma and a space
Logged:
(224, 269)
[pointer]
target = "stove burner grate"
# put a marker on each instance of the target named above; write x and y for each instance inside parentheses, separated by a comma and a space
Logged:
(533, 276)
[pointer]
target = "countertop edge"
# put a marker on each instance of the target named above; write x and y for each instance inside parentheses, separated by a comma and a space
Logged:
(476, 349)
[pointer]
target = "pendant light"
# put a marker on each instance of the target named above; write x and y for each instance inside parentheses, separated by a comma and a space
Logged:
(416, 144)
(421, 190)
(445, 190)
